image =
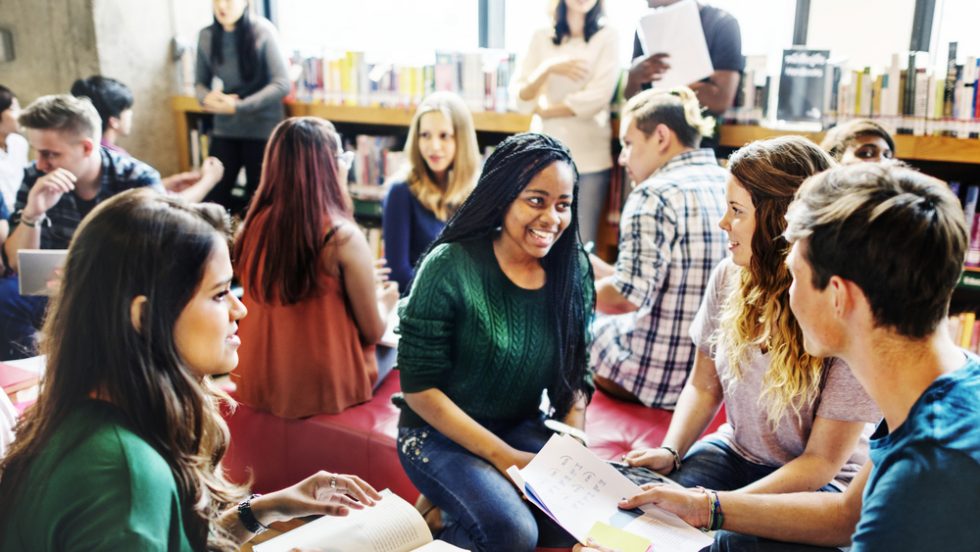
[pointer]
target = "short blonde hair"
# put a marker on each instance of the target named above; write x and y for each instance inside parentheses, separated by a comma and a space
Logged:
(64, 113)
(465, 165)
(677, 108)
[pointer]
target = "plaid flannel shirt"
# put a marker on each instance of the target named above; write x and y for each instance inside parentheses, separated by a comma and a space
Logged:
(669, 242)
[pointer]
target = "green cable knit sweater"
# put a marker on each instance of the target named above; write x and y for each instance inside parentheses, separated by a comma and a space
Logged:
(469, 331)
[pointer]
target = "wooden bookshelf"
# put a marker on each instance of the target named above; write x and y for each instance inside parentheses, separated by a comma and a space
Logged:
(504, 123)
(912, 148)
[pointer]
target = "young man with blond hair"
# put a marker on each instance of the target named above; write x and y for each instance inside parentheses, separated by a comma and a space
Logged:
(669, 241)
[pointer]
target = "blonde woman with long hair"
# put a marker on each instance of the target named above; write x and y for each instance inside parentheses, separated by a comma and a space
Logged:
(441, 170)
(795, 421)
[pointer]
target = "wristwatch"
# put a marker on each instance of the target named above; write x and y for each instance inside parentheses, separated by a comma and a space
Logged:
(247, 517)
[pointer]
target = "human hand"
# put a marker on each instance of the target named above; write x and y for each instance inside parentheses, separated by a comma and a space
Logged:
(388, 295)
(691, 505)
(220, 103)
(591, 546)
(512, 457)
(47, 191)
(650, 68)
(657, 459)
(213, 169)
(574, 69)
(381, 271)
(322, 493)
(53, 284)
(179, 182)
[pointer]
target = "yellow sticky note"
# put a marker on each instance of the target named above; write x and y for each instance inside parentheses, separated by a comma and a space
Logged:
(618, 539)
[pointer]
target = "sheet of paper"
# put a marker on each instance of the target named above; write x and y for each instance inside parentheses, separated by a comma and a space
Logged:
(391, 525)
(617, 539)
(676, 30)
(578, 489)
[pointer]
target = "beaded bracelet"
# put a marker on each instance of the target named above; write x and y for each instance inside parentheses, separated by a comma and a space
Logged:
(718, 518)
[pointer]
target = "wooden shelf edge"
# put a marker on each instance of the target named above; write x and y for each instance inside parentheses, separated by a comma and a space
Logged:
(484, 121)
(914, 148)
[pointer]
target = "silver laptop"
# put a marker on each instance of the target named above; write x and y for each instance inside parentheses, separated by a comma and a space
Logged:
(37, 267)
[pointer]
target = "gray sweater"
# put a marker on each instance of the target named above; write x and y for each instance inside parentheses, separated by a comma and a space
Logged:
(260, 109)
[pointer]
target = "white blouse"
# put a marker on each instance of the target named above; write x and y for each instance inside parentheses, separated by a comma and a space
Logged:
(587, 134)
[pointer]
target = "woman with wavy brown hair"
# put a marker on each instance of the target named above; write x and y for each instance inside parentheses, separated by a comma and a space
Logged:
(123, 449)
(795, 421)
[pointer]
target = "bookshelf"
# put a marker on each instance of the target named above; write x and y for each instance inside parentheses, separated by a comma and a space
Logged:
(910, 148)
(186, 107)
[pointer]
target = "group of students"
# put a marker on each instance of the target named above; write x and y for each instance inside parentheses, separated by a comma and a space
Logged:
(808, 298)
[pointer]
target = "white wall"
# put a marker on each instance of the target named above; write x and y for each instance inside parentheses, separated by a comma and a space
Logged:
(866, 32)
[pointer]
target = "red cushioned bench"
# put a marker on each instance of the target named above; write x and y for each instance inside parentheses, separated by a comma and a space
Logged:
(362, 440)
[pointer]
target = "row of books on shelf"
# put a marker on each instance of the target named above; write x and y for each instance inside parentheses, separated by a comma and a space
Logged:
(353, 78)
(970, 196)
(964, 329)
(907, 97)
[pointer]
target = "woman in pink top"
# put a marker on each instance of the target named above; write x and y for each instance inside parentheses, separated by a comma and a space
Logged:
(795, 421)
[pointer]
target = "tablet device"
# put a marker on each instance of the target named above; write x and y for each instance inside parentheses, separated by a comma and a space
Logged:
(36, 267)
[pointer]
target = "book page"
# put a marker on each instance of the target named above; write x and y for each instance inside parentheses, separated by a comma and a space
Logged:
(676, 30)
(391, 525)
(578, 489)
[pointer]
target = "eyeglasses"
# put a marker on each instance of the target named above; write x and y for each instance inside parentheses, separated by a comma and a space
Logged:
(345, 159)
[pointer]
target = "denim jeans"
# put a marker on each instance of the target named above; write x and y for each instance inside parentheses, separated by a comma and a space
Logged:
(482, 509)
(714, 465)
(20, 317)
(726, 541)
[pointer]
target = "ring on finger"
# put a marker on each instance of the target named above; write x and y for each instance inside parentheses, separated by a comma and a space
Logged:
(333, 482)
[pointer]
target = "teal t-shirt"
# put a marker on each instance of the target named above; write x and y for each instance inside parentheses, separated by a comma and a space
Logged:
(96, 486)
(469, 331)
(924, 489)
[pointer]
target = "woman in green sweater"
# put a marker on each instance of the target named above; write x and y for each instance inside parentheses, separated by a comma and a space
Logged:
(498, 314)
(123, 449)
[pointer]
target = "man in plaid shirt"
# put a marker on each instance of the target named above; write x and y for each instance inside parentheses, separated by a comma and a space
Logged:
(669, 242)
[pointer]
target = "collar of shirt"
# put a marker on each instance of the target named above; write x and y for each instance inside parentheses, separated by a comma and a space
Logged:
(702, 156)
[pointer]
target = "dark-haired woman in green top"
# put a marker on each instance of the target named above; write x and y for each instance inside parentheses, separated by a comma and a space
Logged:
(497, 315)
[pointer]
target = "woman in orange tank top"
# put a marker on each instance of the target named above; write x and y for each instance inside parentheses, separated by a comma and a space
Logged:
(308, 344)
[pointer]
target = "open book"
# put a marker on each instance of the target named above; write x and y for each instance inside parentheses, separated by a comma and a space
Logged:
(391, 525)
(579, 491)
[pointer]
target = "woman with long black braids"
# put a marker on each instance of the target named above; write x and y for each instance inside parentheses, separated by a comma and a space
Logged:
(240, 77)
(498, 314)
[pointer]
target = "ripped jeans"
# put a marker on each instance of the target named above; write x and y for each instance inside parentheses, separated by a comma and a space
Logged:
(481, 508)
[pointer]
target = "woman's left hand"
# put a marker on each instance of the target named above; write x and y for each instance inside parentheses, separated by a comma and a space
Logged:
(220, 103)
(322, 493)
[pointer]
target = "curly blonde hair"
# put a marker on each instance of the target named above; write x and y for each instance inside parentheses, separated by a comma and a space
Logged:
(756, 312)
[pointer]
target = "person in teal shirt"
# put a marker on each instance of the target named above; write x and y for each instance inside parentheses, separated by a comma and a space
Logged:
(122, 450)
(497, 315)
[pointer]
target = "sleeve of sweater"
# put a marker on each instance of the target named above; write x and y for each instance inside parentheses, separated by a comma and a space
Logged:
(526, 66)
(202, 66)
(396, 226)
(597, 93)
(278, 86)
(427, 319)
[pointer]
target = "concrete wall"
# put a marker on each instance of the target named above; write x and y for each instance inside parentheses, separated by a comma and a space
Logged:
(58, 41)
(54, 42)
